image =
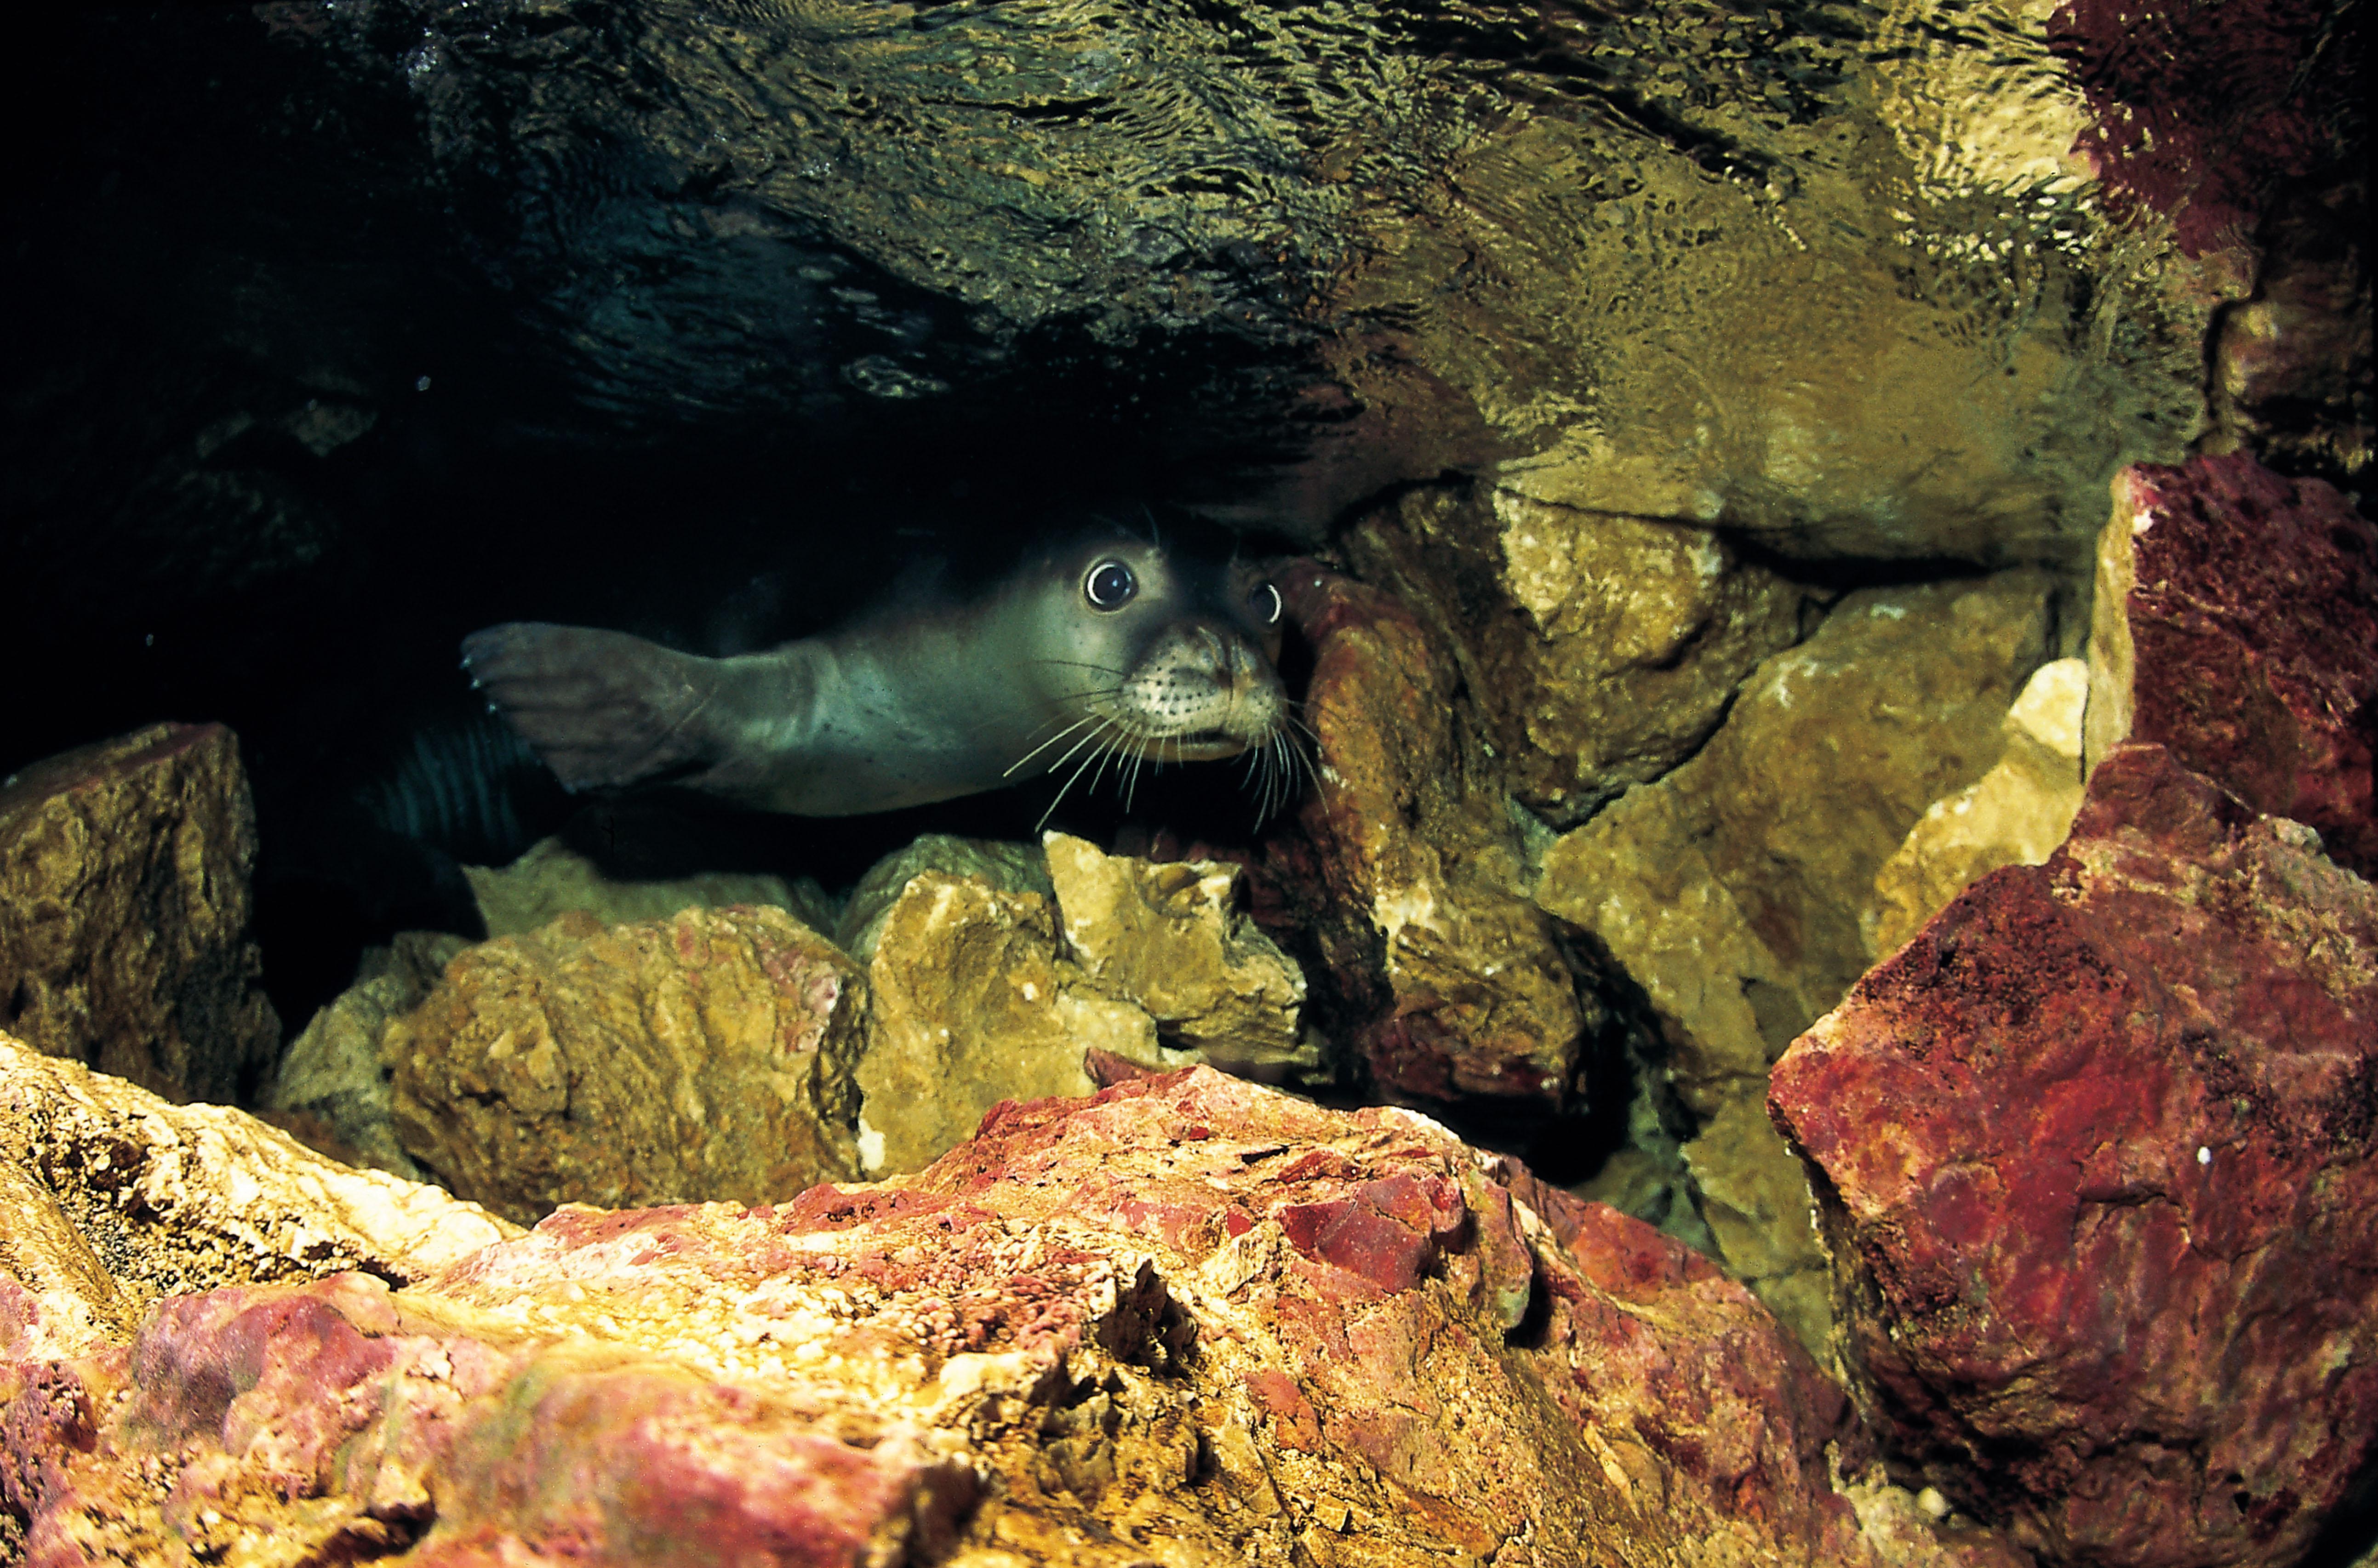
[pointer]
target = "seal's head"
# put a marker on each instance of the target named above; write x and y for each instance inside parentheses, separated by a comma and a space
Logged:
(1152, 651)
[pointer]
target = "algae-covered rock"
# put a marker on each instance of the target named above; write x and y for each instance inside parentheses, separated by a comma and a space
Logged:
(1188, 1320)
(2236, 621)
(125, 937)
(1601, 650)
(2096, 1167)
(1169, 936)
(972, 1002)
(2014, 815)
(705, 1056)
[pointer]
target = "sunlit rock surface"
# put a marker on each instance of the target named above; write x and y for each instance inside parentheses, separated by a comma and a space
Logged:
(1412, 870)
(710, 1055)
(2096, 1158)
(971, 1001)
(333, 1088)
(2014, 815)
(2236, 622)
(1170, 938)
(1600, 650)
(125, 937)
(1010, 868)
(1732, 891)
(1184, 1320)
(117, 1198)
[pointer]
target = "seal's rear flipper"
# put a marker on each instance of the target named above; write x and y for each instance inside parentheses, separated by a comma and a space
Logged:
(604, 708)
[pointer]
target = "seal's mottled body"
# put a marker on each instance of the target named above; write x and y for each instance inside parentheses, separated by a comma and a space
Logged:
(916, 701)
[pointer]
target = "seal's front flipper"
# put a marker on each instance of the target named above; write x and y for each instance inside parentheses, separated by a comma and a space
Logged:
(603, 709)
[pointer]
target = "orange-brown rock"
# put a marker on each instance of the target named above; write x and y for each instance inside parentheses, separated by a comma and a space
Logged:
(124, 912)
(1600, 650)
(116, 1199)
(1413, 869)
(709, 1055)
(1188, 1321)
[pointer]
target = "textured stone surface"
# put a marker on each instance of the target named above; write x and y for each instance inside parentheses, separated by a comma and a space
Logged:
(2236, 622)
(555, 876)
(124, 912)
(2014, 815)
(2291, 367)
(1190, 1320)
(1751, 1194)
(116, 1199)
(972, 1001)
(1601, 650)
(1170, 938)
(1733, 891)
(706, 1054)
(1010, 868)
(333, 1084)
(2096, 1151)
(1450, 981)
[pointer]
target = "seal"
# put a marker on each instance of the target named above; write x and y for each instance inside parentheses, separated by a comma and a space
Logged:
(1097, 647)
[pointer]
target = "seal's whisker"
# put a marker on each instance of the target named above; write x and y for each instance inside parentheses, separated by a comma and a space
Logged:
(1081, 664)
(1076, 776)
(1010, 770)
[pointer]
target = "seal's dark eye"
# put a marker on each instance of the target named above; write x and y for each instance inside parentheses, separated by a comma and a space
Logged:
(1110, 585)
(1264, 602)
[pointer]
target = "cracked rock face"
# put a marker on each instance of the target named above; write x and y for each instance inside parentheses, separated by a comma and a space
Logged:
(2236, 622)
(1185, 1316)
(707, 1055)
(1410, 870)
(125, 912)
(2096, 1150)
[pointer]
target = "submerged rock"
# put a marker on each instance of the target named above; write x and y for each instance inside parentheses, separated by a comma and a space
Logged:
(1189, 1317)
(2096, 1148)
(1010, 868)
(557, 875)
(1411, 875)
(1169, 936)
(2236, 623)
(972, 1001)
(1600, 651)
(117, 1200)
(337, 1075)
(125, 912)
(1733, 891)
(706, 1056)
(2014, 815)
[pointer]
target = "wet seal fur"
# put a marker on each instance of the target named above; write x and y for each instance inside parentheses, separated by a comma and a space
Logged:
(1099, 646)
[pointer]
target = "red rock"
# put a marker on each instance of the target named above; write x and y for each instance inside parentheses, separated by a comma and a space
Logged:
(2095, 1151)
(1405, 871)
(2252, 622)
(2197, 112)
(1024, 1353)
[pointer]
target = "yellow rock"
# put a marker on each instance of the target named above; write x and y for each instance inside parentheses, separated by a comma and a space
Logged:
(2014, 815)
(1170, 938)
(971, 1003)
(706, 1056)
